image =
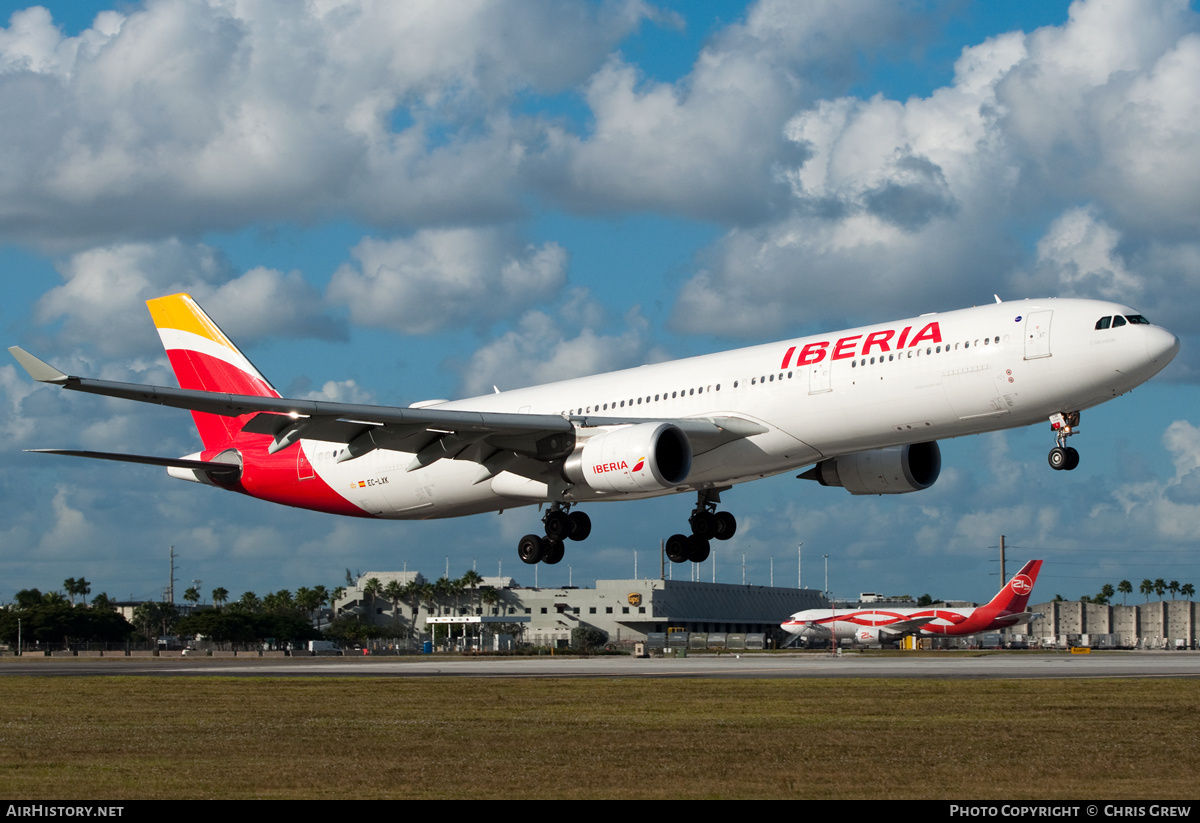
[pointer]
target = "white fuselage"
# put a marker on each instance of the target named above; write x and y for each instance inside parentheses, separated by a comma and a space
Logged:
(938, 376)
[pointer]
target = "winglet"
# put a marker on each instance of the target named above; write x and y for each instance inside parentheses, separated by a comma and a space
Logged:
(39, 371)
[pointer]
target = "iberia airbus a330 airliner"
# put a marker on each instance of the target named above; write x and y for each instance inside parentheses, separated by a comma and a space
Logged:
(863, 407)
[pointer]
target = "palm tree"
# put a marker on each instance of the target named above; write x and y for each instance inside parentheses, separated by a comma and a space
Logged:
(456, 589)
(394, 592)
(322, 595)
(1146, 588)
(489, 595)
(1106, 593)
(442, 591)
(308, 600)
(280, 601)
(1187, 589)
(1173, 586)
(220, 595)
(1160, 586)
(1124, 587)
(249, 602)
(77, 588)
(471, 580)
(373, 589)
(413, 592)
(192, 595)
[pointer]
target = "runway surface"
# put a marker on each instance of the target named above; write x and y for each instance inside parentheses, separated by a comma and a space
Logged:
(943, 666)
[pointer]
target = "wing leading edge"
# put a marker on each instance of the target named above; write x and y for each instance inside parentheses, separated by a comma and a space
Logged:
(429, 433)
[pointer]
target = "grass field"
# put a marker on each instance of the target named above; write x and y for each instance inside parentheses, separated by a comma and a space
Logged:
(124, 737)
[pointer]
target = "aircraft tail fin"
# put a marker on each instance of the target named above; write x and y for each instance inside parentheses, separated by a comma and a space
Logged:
(1015, 594)
(204, 359)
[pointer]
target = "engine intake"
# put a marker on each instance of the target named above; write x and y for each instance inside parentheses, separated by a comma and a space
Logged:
(894, 470)
(640, 458)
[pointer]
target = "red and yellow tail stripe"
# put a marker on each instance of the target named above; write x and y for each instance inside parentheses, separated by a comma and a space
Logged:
(204, 359)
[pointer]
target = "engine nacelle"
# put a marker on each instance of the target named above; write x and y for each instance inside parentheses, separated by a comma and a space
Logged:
(641, 458)
(868, 634)
(894, 470)
(874, 634)
(223, 478)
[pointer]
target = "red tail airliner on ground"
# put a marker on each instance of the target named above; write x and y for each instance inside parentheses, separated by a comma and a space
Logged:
(1006, 609)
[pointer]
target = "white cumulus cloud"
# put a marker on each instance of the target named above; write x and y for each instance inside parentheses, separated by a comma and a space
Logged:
(445, 277)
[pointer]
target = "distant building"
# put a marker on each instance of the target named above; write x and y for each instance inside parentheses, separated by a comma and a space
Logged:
(626, 610)
(1164, 624)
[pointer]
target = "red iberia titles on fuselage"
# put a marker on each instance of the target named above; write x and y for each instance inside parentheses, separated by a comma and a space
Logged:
(846, 348)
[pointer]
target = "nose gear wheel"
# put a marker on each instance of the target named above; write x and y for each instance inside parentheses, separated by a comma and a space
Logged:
(1062, 457)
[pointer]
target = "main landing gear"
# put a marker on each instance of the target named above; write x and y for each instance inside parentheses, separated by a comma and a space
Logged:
(707, 524)
(560, 524)
(1062, 457)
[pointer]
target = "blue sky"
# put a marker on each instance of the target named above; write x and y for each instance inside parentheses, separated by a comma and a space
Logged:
(394, 202)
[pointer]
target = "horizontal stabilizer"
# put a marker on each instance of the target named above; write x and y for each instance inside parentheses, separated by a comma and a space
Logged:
(216, 469)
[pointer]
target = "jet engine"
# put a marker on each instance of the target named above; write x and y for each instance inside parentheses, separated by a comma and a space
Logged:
(641, 458)
(868, 634)
(894, 470)
(223, 477)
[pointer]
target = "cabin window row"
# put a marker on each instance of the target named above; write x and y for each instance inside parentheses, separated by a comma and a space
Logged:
(929, 350)
(637, 401)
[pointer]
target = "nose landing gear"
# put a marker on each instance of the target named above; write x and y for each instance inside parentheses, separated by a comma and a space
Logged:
(1062, 457)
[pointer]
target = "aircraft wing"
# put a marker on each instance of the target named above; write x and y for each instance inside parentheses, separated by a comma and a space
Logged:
(902, 627)
(431, 433)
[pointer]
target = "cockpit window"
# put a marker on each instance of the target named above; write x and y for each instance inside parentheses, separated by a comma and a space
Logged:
(1137, 320)
(1118, 320)
(1103, 323)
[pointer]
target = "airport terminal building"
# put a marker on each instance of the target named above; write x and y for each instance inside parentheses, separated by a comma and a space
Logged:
(628, 611)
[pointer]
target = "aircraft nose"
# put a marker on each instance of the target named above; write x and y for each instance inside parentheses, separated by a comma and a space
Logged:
(1161, 346)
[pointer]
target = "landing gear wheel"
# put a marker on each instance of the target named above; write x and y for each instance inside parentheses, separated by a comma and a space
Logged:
(698, 549)
(1062, 457)
(726, 525)
(554, 552)
(558, 524)
(581, 526)
(704, 525)
(706, 522)
(677, 548)
(531, 548)
(1072, 459)
(1058, 458)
